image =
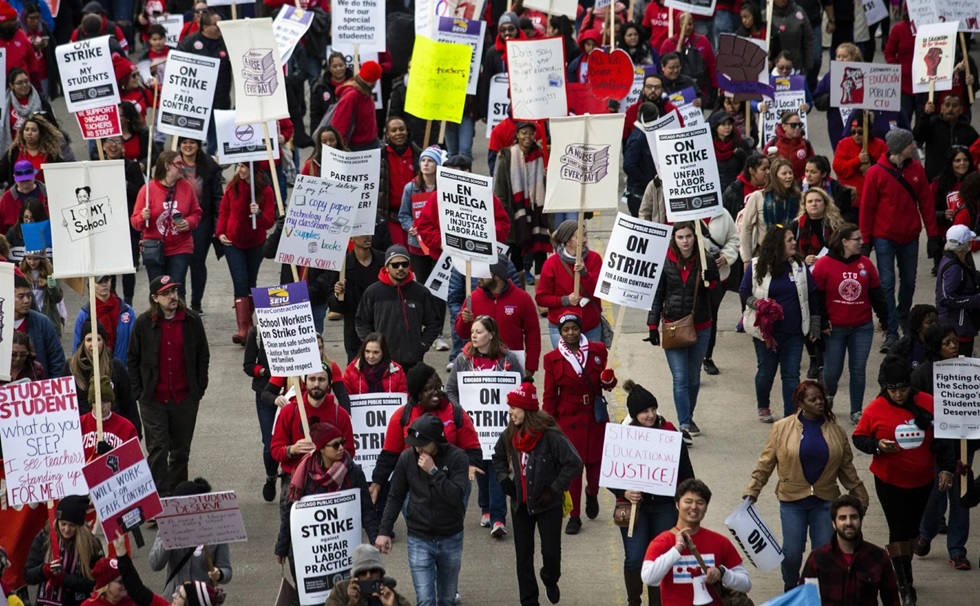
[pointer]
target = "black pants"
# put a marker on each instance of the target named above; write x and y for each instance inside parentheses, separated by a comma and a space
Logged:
(715, 295)
(549, 530)
(903, 509)
(168, 429)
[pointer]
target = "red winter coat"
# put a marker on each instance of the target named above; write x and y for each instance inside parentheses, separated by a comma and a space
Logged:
(556, 281)
(235, 220)
(161, 226)
(355, 114)
(847, 163)
(20, 53)
(795, 150)
(429, 229)
(289, 428)
(517, 320)
(900, 50)
(393, 380)
(887, 210)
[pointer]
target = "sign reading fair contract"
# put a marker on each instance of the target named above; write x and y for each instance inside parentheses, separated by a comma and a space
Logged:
(285, 321)
(241, 142)
(201, 519)
(584, 171)
(361, 170)
(99, 122)
(318, 223)
(536, 69)
(689, 173)
(466, 215)
(86, 74)
(957, 408)
(122, 489)
(640, 458)
(42, 441)
(324, 529)
(633, 262)
(866, 86)
(369, 416)
(483, 395)
(756, 540)
(187, 95)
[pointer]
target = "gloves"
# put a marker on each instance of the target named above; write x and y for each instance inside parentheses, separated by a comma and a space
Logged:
(510, 489)
(608, 375)
(814, 333)
(866, 248)
(751, 302)
(654, 337)
(934, 246)
(102, 447)
(548, 498)
(52, 577)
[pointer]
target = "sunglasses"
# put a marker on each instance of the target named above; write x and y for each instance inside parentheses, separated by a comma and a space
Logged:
(22, 173)
(339, 443)
(399, 265)
(794, 125)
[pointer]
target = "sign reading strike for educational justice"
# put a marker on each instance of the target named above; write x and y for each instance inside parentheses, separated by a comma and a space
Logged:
(536, 69)
(483, 395)
(360, 22)
(122, 489)
(99, 122)
(42, 440)
(438, 80)
(754, 538)
(173, 24)
(789, 95)
(438, 282)
(86, 74)
(241, 142)
(690, 173)
(285, 322)
(466, 214)
(360, 169)
(464, 31)
(187, 95)
(347, 50)
(705, 8)
(584, 171)
(260, 93)
(289, 27)
(957, 408)
(201, 519)
(640, 458)
(89, 218)
(498, 105)
(324, 529)
(633, 263)
(866, 86)
(370, 414)
(318, 224)
(6, 317)
(934, 58)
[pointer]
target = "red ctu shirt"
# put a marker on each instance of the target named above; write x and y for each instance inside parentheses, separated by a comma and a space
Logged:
(173, 369)
(516, 316)
(846, 288)
(909, 467)
(677, 586)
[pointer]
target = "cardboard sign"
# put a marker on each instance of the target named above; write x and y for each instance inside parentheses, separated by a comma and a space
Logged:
(483, 395)
(439, 80)
(99, 122)
(683, 100)
(633, 262)
(640, 458)
(866, 86)
(289, 26)
(86, 74)
(7, 314)
(610, 74)
(187, 95)
(690, 173)
(705, 8)
(260, 93)
(466, 214)
(122, 489)
(748, 78)
(935, 49)
(463, 31)
(285, 322)
(754, 538)
(319, 221)
(324, 529)
(788, 95)
(438, 282)
(42, 441)
(370, 414)
(956, 383)
(361, 169)
(425, 18)
(498, 106)
(242, 143)
(584, 165)
(671, 121)
(536, 69)
(173, 24)
(348, 51)
(360, 22)
(569, 8)
(201, 519)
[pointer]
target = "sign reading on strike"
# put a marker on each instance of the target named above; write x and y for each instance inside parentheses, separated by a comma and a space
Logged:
(483, 395)
(640, 458)
(757, 542)
(201, 519)
(324, 529)
(957, 409)
(122, 489)
(99, 122)
(187, 95)
(689, 172)
(369, 416)
(86, 74)
(634, 262)
(466, 214)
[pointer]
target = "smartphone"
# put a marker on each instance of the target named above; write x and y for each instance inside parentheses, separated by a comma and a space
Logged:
(369, 588)
(178, 216)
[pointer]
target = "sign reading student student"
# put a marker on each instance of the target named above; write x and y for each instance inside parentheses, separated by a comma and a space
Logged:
(285, 322)
(689, 173)
(324, 529)
(633, 263)
(483, 395)
(360, 169)
(866, 86)
(935, 52)
(201, 519)
(187, 95)
(370, 414)
(86, 74)
(641, 459)
(122, 489)
(241, 142)
(466, 215)
(318, 224)
(360, 22)
(536, 69)
(957, 408)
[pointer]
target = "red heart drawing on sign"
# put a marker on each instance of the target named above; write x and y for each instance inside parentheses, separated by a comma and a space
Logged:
(610, 74)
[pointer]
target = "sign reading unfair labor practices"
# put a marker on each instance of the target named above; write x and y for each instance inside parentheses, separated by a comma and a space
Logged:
(584, 171)
(754, 537)
(633, 262)
(957, 408)
(466, 215)
(483, 395)
(324, 529)
(260, 93)
(935, 51)
(122, 489)
(640, 458)
(285, 322)
(201, 519)
(536, 70)
(866, 86)
(689, 173)
(360, 22)
(187, 95)
(42, 441)
(86, 74)
(360, 169)
(318, 223)
(241, 142)
(370, 414)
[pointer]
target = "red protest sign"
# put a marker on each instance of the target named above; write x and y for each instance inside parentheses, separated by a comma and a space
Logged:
(582, 100)
(99, 122)
(122, 489)
(610, 75)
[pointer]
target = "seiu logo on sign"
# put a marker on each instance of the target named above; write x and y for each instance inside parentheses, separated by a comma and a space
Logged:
(459, 26)
(278, 296)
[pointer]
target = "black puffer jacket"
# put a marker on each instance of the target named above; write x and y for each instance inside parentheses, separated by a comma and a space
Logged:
(76, 588)
(675, 298)
(550, 466)
(435, 510)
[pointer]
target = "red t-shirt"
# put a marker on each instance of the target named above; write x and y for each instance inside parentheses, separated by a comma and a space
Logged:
(716, 550)
(847, 287)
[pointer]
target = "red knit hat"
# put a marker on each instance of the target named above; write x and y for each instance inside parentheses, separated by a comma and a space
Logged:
(370, 72)
(524, 397)
(122, 67)
(106, 571)
(324, 433)
(7, 12)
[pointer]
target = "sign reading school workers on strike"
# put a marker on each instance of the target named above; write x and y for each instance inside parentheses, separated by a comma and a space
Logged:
(370, 414)
(318, 223)
(866, 86)
(934, 58)
(641, 459)
(689, 173)
(201, 519)
(439, 80)
(360, 169)
(756, 540)
(260, 90)
(285, 322)
(957, 408)
(187, 95)
(536, 69)
(241, 142)
(584, 171)
(483, 395)
(633, 262)
(42, 441)
(122, 489)
(466, 215)
(86, 74)
(324, 529)
(359, 22)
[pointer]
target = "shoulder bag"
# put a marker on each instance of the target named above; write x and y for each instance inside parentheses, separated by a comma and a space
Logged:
(680, 334)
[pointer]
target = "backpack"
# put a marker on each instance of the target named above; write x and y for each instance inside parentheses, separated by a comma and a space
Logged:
(458, 413)
(327, 120)
(692, 65)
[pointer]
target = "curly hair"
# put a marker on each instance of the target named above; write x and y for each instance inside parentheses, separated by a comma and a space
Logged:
(417, 377)
(49, 141)
(772, 259)
(828, 404)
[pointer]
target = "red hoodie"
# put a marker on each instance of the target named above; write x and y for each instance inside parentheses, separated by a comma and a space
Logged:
(235, 220)
(797, 150)
(429, 230)
(161, 225)
(355, 114)
(556, 281)
(887, 209)
(289, 428)
(393, 380)
(847, 163)
(517, 320)
(461, 437)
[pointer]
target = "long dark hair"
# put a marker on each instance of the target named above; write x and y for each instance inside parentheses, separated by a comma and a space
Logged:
(374, 337)
(772, 255)
(947, 178)
(933, 340)
(844, 232)
(535, 421)
(696, 258)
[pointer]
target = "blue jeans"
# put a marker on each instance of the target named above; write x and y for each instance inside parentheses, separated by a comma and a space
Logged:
(786, 358)
(243, 264)
(649, 522)
(319, 313)
(685, 369)
(459, 137)
(174, 266)
(559, 218)
(726, 22)
(855, 341)
(906, 256)
(212, 139)
(490, 496)
(796, 517)
(435, 567)
(199, 268)
(267, 418)
(959, 517)
(594, 334)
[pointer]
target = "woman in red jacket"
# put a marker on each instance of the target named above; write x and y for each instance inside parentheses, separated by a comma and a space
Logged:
(373, 370)
(791, 142)
(355, 118)
(556, 282)
(575, 376)
(850, 160)
(245, 215)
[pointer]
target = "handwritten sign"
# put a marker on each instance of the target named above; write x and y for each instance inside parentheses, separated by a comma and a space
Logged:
(290, 26)
(360, 22)
(87, 75)
(187, 95)
(440, 77)
(324, 531)
(935, 49)
(483, 395)
(466, 214)
(640, 458)
(319, 222)
(370, 414)
(99, 122)
(285, 323)
(122, 489)
(866, 86)
(201, 519)
(690, 173)
(536, 69)
(957, 409)
(360, 169)
(584, 171)
(464, 31)
(633, 262)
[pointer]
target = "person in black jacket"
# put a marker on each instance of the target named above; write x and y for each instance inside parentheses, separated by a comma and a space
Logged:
(638, 160)
(113, 147)
(940, 132)
(205, 175)
(209, 43)
(361, 270)
(754, 176)
(64, 578)
(674, 81)
(730, 149)
(256, 365)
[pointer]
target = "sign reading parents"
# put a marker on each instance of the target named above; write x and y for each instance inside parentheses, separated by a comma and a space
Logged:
(324, 531)
(584, 171)
(201, 519)
(640, 458)
(42, 441)
(483, 395)
(122, 489)
(86, 74)
(360, 169)
(187, 95)
(957, 409)
(369, 416)
(466, 215)
(633, 262)
(241, 142)
(285, 322)
(689, 173)
(536, 69)
(318, 223)
(360, 22)
(866, 86)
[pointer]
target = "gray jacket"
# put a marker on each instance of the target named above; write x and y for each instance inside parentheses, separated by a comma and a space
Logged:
(196, 568)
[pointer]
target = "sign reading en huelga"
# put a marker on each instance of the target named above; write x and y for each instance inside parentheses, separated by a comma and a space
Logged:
(285, 322)
(324, 529)
(633, 263)
(957, 408)
(466, 215)
(689, 172)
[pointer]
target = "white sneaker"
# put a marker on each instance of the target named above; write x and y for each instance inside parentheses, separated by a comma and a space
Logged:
(449, 367)
(440, 344)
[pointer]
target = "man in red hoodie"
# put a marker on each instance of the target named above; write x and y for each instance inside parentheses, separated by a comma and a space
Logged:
(355, 118)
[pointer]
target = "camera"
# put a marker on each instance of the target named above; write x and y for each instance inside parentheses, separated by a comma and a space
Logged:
(369, 588)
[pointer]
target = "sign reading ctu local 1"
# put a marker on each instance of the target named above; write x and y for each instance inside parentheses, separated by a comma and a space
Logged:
(187, 95)
(285, 322)
(86, 74)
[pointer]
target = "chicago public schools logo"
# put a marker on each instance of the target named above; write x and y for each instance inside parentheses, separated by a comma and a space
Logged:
(585, 163)
(259, 72)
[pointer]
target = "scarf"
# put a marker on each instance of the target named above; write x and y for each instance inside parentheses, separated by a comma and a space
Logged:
(805, 187)
(777, 211)
(576, 358)
(724, 150)
(49, 594)
(767, 313)
(564, 255)
(527, 191)
(107, 314)
(811, 235)
(20, 112)
(310, 470)
(373, 375)
(526, 441)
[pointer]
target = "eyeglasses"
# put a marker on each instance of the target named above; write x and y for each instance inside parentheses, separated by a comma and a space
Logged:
(793, 125)
(113, 142)
(652, 86)
(20, 354)
(436, 389)
(21, 82)
(337, 444)
(897, 386)
(399, 265)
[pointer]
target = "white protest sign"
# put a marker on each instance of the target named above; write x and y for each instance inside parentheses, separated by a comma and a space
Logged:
(260, 93)
(89, 218)
(241, 143)
(922, 12)
(498, 106)
(866, 86)
(536, 70)
(319, 222)
(758, 544)
(122, 489)
(671, 121)
(483, 395)
(438, 282)
(86, 74)
(789, 95)
(640, 458)
(584, 170)
(935, 49)
(569, 8)
(348, 51)
(289, 27)
(369, 416)
(202, 519)
(324, 529)
(228, 2)
(360, 22)
(705, 8)
(465, 31)
(466, 214)
(690, 173)
(42, 441)
(363, 169)
(875, 11)
(187, 95)
(956, 384)
(285, 322)
(683, 100)
(633, 262)
(6, 311)
(173, 24)
(425, 18)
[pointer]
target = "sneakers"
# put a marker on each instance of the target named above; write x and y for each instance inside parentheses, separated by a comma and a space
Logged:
(922, 547)
(686, 437)
(890, 342)
(440, 344)
(959, 562)
(449, 367)
(574, 525)
(499, 530)
(553, 593)
(693, 429)
(740, 327)
(855, 417)
(709, 367)
(765, 415)
(269, 489)
(485, 521)
(592, 506)
(529, 278)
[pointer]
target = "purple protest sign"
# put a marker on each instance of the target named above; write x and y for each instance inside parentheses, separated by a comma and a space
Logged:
(285, 322)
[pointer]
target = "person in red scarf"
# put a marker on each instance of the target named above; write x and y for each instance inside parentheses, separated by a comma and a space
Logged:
(61, 566)
(373, 370)
(544, 464)
(791, 142)
(730, 149)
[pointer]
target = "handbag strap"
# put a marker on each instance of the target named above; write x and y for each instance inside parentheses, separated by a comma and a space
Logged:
(183, 562)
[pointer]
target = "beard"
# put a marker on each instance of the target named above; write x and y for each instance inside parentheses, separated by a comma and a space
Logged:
(849, 534)
(316, 393)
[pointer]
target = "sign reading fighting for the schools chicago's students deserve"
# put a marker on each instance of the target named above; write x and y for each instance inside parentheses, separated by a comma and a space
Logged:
(866, 86)
(483, 395)
(689, 172)
(633, 263)
(122, 489)
(318, 223)
(956, 384)
(641, 459)
(187, 95)
(370, 414)
(86, 74)
(241, 142)
(466, 214)
(285, 322)
(361, 169)
(324, 529)
(201, 519)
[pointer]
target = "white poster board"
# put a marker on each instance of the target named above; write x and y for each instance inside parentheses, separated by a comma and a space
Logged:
(758, 544)
(365, 55)
(671, 121)
(242, 143)
(640, 458)
(360, 22)
(202, 519)
(319, 222)
(875, 11)
(633, 263)
(438, 282)
(324, 529)
(173, 24)
(187, 95)
(569, 8)
(466, 214)
(935, 49)
(956, 384)
(260, 91)
(498, 106)
(483, 395)
(285, 322)
(86, 74)
(536, 70)
(370, 414)
(689, 173)
(289, 27)
(705, 8)
(584, 165)
(872, 86)
(789, 95)
(362, 168)
(464, 31)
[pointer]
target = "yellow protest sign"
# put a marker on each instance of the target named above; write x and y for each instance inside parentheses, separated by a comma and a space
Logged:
(437, 82)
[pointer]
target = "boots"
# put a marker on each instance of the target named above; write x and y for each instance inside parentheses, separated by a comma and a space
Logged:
(902, 562)
(634, 588)
(243, 314)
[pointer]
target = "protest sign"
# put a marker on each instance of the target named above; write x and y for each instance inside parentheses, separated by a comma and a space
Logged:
(122, 489)
(866, 86)
(582, 101)
(228, 2)
(639, 75)
(569, 8)
(536, 70)
(641, 459)
(956, 383)
(671, 121)
(438, 282)
(498, 107)
(466, 214)
(37, 238)
(463, 31)
(187, 95)
(585, 153)
(439, 80)
(348, 51)
(789, 95)
(875, 11)
(173, 24)
(610, 75)
(241, 143)
(633, 262)
(935, 50)
(483, 395)
(704, 8)
(690, 174)
(324, 529)
(370, 414)
(90, 218)
(7, 311)
(925, 12)
(42, 440)
(319, 221)
(754, 538)
(744, 74)
(359, 22)
(260, 93)
(202, 519)
(86, 74)
(683, 100)
(361, 169)
(99, 122)
(290, 25)
(425, 18)
(922, 12)
(19, 526)
(285, 323)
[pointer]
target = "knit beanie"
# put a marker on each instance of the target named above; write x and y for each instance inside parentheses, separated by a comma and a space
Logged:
(366, 557)
(638, 398)
(524, 397)
(510, 18)
(87, 329)
(72, 509)
(432, 153)
(569, 317)
(324, 433)
(898, 139)
(108, 393)
(370, 72)
(894, 370)
(122, 67)
(501, 268)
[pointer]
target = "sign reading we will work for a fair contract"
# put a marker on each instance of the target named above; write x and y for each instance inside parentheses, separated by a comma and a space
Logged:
(285, 321)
